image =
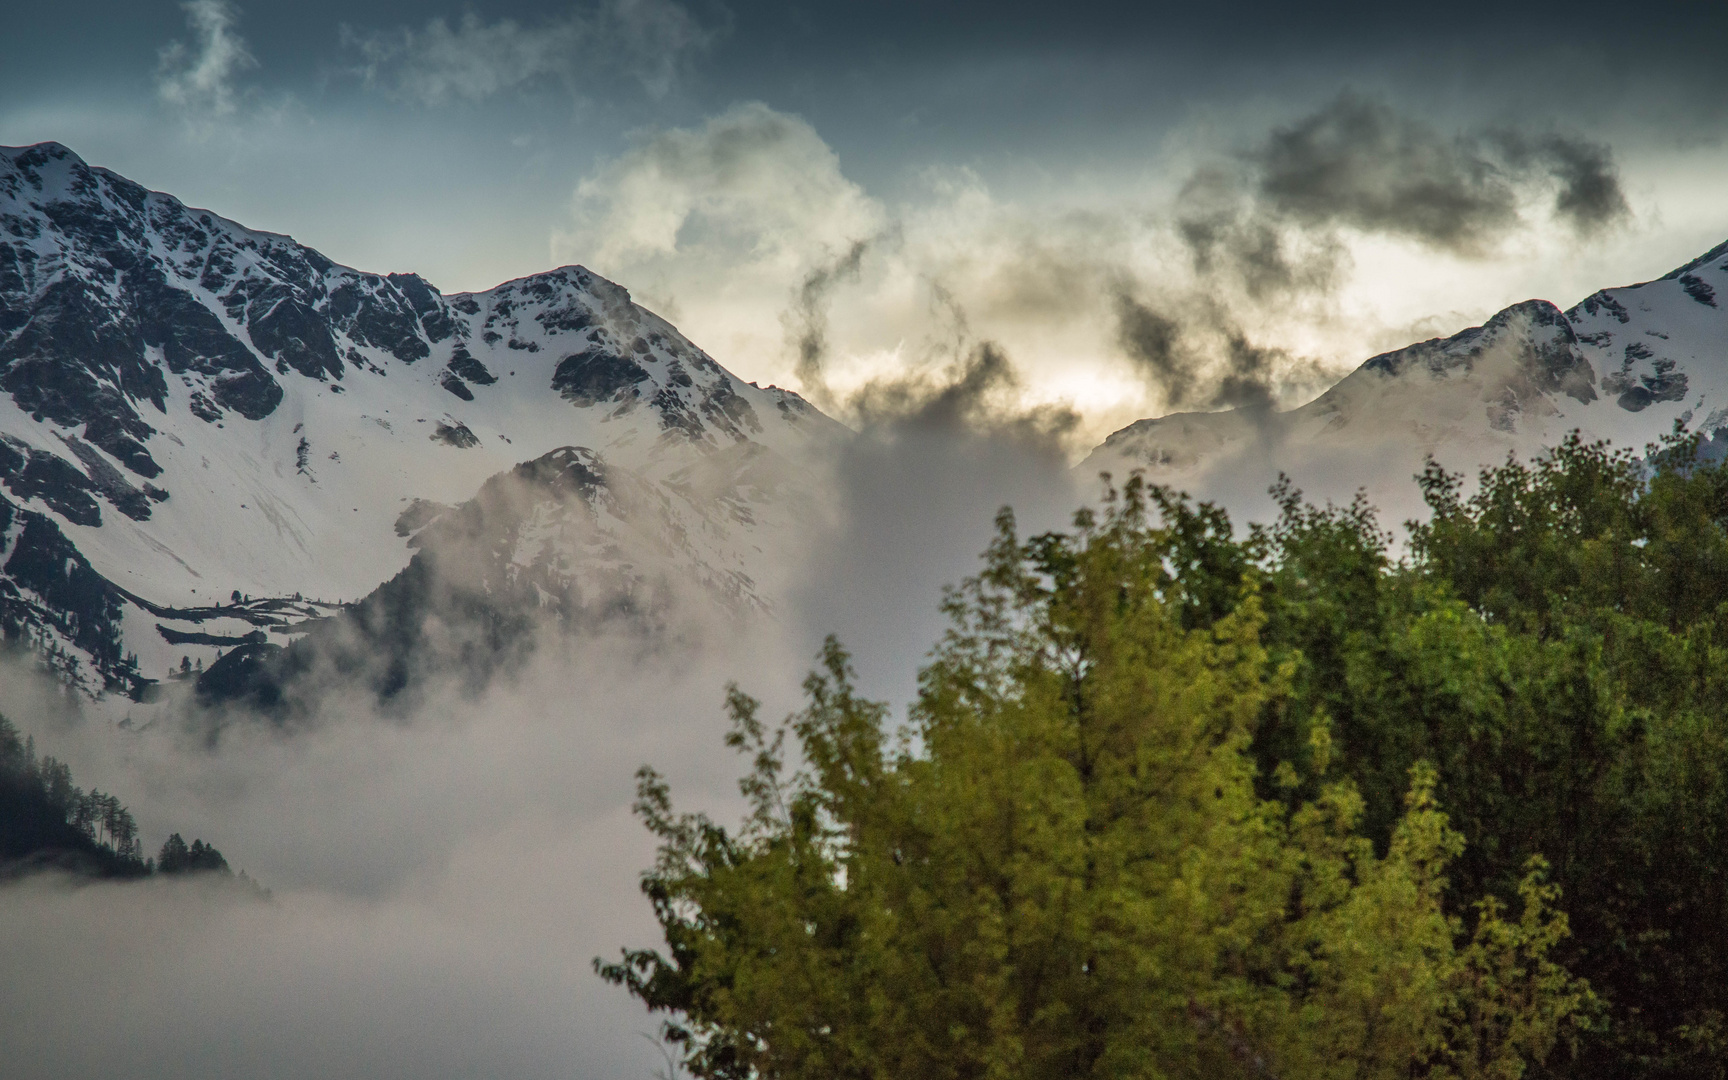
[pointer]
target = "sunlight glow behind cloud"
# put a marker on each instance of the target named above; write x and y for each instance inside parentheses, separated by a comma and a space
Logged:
(748, 232)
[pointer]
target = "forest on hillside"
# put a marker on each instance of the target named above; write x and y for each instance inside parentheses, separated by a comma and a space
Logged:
(47, 822)
(1182, 800)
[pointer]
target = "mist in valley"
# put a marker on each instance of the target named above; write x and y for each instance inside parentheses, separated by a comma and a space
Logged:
(441, 877)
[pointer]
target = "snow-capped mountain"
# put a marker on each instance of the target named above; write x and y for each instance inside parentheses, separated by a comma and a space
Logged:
(209, 434)
(1624, 365)
(214, 439)
(566, 542)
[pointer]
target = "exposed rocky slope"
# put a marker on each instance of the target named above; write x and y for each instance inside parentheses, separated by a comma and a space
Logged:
(208, 434)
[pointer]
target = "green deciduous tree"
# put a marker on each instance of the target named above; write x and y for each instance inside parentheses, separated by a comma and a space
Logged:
(1073, 861)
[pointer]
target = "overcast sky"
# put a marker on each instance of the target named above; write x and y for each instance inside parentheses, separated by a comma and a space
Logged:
(1026, 174)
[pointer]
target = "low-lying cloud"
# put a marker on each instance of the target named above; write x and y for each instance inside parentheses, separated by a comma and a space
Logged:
(441, 881)
(649, 41)
(978, 393)
(442, 876)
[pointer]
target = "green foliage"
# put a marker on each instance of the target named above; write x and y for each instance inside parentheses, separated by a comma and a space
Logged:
(1079, 857)
(1557, 647)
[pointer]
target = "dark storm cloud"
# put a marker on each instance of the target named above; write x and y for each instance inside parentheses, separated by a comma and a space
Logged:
(978, 393)
(1228, 231)
(1358, 162)
(1266, 228)
(1200, 359)
(1251, 373)
(807, 320)
(1589, 196)
(1153, 341)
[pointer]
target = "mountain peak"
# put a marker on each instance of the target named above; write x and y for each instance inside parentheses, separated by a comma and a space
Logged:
(1624, 364)
(36, 154)
(1534, 335)
(1717, 254)
(195, 408)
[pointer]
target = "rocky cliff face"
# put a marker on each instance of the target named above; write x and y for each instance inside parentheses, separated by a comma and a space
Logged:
(209, 433)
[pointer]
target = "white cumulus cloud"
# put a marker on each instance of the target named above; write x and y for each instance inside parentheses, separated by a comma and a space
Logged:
(746, 232)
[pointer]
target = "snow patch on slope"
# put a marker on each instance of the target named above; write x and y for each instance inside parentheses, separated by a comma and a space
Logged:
(203, 409)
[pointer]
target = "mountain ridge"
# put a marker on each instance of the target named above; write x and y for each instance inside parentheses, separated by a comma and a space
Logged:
(217, 442)
(191, 410)
(1623, 364)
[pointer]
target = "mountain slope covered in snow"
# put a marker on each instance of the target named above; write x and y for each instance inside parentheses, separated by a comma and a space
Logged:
(1624, 364)
(209, 434)
(565, 543)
